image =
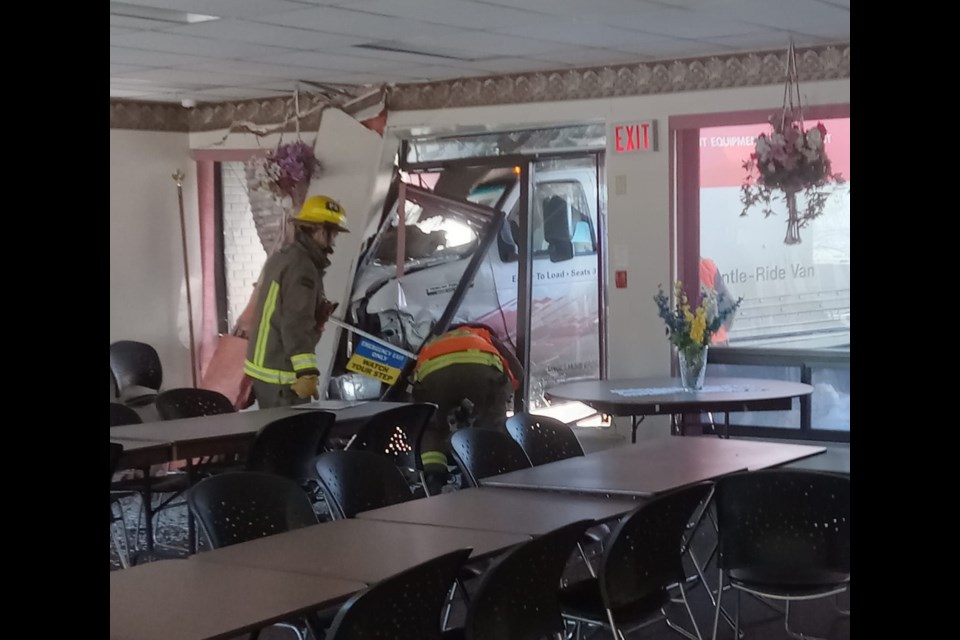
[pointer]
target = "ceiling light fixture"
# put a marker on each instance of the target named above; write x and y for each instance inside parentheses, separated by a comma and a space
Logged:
(124, 10)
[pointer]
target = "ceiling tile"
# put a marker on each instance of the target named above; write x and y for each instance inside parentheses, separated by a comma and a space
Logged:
(798, 16)
(511, 65)
(760, 40)
(676, 49)
(587, 57)
(322, 60)
(127, 93)
(580, 31)
(575, 7)
(193, 77)
(124, 68)
(221, 8)
(482, 43)
(458, 13)
(136, 23)
(368, 25)
(258, 69)
(142, 58)
(273, 35)
(178, 43)
(679, 23)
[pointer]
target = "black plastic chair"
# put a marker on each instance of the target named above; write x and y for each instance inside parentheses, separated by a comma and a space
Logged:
(288, 447)
(517, 597)
(187, 402)
(398, 434)
(481, 453)
(543, 439)
(136, 371)
(405, 606)
(641, 561)
(246, 505)
(784, 534)
(357, 481)
(121, 414)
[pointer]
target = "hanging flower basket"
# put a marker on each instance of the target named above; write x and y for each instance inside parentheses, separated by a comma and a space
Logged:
(789, 161)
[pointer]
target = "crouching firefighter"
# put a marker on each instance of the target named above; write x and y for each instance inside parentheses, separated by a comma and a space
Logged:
(471, 376)
(291, 309)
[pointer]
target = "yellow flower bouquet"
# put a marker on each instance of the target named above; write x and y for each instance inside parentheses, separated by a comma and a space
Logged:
(690, 330)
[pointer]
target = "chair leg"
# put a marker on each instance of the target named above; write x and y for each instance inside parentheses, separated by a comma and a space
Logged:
(423, 483)
(716, 612)
(446, 612)
(586, 560)
(794, 634)
(686, 603)
(617, 634)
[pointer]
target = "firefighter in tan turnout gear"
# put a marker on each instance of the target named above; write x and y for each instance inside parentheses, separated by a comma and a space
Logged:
(292, 310)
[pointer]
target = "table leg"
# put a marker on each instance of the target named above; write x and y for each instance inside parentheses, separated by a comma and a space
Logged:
(636, 423)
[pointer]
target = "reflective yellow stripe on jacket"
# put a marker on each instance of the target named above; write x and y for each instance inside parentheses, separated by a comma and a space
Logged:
(459, 357)
(273, 376)
(256, 369)
(303, 361)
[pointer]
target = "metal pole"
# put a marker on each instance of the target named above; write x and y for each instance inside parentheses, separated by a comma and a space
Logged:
(178, 178)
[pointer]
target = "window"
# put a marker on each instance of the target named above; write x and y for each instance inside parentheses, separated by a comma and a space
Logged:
(562, 199)
(794, 296)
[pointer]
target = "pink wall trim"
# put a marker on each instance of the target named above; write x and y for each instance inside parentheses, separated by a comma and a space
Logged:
(208, 322)
(696, 121)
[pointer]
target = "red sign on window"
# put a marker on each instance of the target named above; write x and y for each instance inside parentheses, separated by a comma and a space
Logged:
(635, 136)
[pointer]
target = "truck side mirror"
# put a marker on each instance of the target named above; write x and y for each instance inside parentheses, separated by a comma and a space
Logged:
(557, 228)
(557, 216)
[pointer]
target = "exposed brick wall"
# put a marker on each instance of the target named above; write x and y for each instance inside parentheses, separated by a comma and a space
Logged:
(243, 254)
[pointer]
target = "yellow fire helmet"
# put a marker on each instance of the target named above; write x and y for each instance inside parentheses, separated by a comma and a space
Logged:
(323, 210)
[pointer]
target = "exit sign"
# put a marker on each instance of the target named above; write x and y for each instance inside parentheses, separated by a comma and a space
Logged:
(631, 137)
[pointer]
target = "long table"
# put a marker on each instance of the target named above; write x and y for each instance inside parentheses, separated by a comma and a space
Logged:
(190, 600)
(530, 513)
(653, 466)
(363, 550)
(233, 432)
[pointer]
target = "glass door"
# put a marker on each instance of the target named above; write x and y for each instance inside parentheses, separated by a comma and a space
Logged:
(565, 208)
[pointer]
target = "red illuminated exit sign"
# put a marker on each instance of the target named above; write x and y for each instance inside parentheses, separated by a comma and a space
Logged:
(631, 137)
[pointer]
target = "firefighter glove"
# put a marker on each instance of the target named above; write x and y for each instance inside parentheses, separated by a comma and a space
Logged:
(306, 387)
(325, 311)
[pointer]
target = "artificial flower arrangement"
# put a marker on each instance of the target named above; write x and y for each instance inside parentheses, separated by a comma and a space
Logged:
(286, 172)
(692, 328)
(789, 161)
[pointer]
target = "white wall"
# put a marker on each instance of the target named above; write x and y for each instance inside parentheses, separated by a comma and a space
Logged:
(349, 153)
(638, 219)
(146, 259)
(243, 253)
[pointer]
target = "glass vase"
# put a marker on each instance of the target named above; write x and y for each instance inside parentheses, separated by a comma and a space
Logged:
(693, 367)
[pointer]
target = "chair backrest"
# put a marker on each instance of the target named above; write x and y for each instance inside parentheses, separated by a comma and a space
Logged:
(135, 364)
(481, 453)
(187, 402)
(289, 446)
(517, 596)
(543, 439)
(643, 555)
(787, 522)
(396, 433)
(121, 414)
(245, 505)
(356, 481)
(405, 606)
